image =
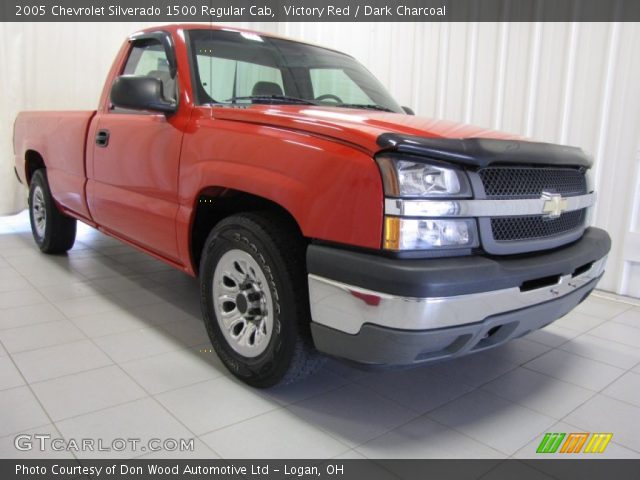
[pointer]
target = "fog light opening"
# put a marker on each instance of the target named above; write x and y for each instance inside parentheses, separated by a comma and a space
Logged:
(491, 332)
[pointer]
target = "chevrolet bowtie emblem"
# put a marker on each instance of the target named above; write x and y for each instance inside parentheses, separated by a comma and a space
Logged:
(554, 205)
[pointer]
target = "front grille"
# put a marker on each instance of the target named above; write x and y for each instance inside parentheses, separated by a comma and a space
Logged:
(509, 229)
(508, 235)
(529, 182)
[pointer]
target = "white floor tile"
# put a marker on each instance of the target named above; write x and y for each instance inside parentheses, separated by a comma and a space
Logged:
(111, 250)
(418, 388)
(277, 434)
(606, 414)
(320, 382)
(143, 420)
(352, 455)
(140, 313)
(136, 344)
(39, 336)
(188, 331)
(618, 332)
(120, 283)
(67, 291)
(345, 370)
(14, 255)
(539, 392)
(605, 351)
(10, 280)
(499, 423)
(14, 241)
(518, 351)
(9, 375)
(50, 277)
(172, 370)
(20, 298)
(29, 315)
(58, 360)
(87, 305)
(130, 256)
(175, 278)
(575, 369)
(579, 321)
(187, 303)
(626, 388)
(149, 266)
(352, 414)
(163, 313)
(214, 404)
(85, 392)
(425, 438)
(601, 307)
(138, 297)
(20, 411)
(553, 335)
(475, 369)
(91, 268)
(111, 322)
(630, 317)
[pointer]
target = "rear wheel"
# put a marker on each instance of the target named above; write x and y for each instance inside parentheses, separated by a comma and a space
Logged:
(255, 301)
(53, 231)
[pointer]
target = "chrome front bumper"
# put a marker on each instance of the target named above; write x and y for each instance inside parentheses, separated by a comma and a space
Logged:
(347, 308)
(380, 310)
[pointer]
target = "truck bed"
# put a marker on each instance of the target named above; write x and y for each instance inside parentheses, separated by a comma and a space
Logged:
(60, 137)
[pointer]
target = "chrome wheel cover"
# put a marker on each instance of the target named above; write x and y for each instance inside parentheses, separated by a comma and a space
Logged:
(39, 211)
(242, 303)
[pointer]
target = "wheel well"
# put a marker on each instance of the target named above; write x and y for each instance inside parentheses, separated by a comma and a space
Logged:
(33, 162)
(215, 204)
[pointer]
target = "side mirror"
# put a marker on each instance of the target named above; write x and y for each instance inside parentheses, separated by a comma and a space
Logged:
(140, 93)
(408, 111)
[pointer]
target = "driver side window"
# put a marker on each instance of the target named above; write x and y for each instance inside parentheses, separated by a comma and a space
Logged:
(150, 60)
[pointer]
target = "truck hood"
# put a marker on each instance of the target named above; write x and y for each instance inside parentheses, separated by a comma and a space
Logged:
(375, 132)
(360, 127)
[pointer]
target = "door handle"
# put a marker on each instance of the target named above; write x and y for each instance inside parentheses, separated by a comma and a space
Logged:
(102, 138)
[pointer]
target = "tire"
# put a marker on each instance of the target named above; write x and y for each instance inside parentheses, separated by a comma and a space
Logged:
(53, 231)
(254, 299)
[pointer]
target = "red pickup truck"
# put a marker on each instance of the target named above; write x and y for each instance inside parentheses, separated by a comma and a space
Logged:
(318, 214)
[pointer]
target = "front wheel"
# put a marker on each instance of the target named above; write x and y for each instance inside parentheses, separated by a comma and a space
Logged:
(52, 230)
(255, 301)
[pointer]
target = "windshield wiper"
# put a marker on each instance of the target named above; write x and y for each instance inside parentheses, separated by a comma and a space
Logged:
(365, 106)
(272, 98)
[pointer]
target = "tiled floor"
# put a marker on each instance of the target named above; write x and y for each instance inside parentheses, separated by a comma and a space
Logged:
(107, 343)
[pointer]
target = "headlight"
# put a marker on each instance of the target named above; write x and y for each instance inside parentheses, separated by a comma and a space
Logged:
(406, 178)
(428, 234)
(436, 186)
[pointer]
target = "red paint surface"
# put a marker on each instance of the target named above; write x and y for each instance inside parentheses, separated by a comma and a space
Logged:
(315, 162)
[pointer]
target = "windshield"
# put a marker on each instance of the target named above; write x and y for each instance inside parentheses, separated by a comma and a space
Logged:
(231, 67)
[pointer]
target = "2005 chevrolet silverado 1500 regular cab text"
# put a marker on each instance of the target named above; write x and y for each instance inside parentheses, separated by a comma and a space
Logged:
(318, 214)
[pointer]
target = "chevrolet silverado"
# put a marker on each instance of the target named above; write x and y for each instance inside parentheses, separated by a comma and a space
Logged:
(317, 213)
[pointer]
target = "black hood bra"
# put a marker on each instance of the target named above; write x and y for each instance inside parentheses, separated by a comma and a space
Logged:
(482, 152)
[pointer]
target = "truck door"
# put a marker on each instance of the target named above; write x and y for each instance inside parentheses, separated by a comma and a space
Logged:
(133, 185)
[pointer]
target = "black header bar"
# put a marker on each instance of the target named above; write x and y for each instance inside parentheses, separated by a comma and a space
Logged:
(319, 10)
(317, 469)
